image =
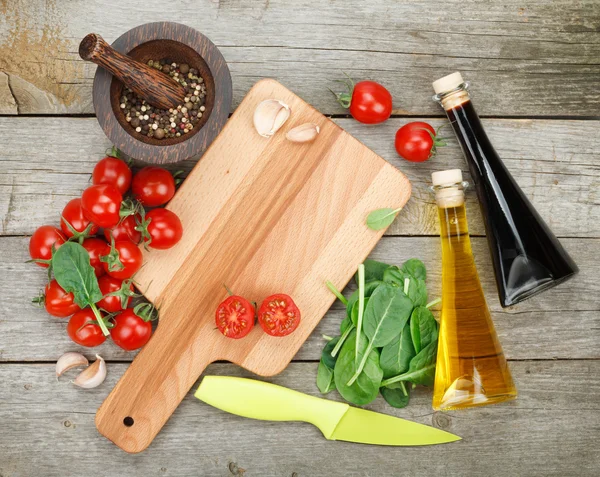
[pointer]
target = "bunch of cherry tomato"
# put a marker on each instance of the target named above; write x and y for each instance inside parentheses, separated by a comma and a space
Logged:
(371, 103)
(278, 315)
(114, 251)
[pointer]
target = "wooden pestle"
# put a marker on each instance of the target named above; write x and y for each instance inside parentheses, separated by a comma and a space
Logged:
(157, 88)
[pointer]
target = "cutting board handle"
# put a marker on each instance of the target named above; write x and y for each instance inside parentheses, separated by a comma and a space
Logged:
(152, 387)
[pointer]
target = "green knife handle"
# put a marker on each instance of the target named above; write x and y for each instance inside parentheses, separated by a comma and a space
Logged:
(269, 402)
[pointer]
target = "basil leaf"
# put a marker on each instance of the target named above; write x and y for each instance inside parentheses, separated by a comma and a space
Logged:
(325, 381)
(373, 270)
(75, 274)
(395, 396)
(423, 328)
(396, 355)
(415, 268)
(386, 314)
(381, 218)
(366, 387)
(326, 357)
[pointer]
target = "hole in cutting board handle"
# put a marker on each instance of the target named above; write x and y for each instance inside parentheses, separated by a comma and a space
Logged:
(128, 421)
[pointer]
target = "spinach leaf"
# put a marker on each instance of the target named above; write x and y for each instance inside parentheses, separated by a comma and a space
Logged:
(416, 291)
(415, 268)
(366, 387)
(373, 270)
(370, 287)
(396, 355)
(382, 218)
(354, 313)
(346, 322)
(396, 396)
(326, 356)
(387, 312)
(423, 328)
(421, 369)
(325, 381)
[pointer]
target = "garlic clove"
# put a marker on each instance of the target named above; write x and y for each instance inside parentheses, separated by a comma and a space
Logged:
(92, 376)
(68, 361)
(304, 133)
(269, 116)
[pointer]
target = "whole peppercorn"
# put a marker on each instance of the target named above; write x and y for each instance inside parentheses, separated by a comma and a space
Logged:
(159, 133)
(184, 68)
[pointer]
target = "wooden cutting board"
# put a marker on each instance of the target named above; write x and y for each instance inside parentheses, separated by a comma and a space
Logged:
(262, 216)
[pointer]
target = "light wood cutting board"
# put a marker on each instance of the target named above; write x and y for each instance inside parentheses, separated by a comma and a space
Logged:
(263, 216)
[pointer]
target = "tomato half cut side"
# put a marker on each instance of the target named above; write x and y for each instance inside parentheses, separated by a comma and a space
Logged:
(235, 317)
(278, 315)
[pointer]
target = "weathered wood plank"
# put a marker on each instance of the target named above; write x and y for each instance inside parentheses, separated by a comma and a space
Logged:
(519, 55)
(550, 430)
(561, 323)
(555, 162)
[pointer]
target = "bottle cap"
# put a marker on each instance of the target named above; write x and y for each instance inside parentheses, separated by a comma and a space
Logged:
(444, 178)
(447, 83)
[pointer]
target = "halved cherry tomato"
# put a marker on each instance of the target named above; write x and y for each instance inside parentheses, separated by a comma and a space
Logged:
(84, 330)
(153, 186)
(114, 303)
(130, 331)
(417, 141)
(95, 248)
(164, 228)
(58, 302)
(101, 204)
(41, 242)
(278, 315)
(368, 101)
(72, 215)
(235, 317)
(125, 230)
(112, 170)
(122, 259)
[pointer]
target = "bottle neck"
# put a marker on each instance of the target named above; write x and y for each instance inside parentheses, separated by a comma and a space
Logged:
(450, 195)
(456, 97)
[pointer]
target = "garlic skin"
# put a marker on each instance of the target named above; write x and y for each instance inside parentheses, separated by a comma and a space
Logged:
(68, 361)
(92, 376)
(304, 133)
(269, 116)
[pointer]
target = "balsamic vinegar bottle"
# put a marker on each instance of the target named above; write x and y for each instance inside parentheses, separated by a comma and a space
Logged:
(527, 257)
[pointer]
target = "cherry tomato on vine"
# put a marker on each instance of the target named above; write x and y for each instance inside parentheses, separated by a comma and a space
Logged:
(278, 315)
(132, 328)
(114, 303)
(121, 259)
(101, 204)
(84, 330)
(58, 302)
(112, 170)
(235, 317)
(153, 186)
(72, 215)
(369, 102)
(41, 242)
(163, 228)
(125, 230)
(417, 141)
(95, 248)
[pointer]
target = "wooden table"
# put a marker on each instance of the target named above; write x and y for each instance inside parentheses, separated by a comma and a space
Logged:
(534, 67)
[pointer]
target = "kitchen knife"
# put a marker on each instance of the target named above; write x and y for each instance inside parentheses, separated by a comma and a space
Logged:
(336, 420)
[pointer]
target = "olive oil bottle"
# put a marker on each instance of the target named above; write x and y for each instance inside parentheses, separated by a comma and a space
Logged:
(471, 369)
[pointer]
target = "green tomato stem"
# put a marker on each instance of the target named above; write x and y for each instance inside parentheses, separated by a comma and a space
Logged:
(100, 320)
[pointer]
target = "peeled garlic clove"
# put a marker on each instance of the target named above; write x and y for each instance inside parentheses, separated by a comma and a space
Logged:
(269, 116)
(68, 361)
(92, 376)
(304, 133)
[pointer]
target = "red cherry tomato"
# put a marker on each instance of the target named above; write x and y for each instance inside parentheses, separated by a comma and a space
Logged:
(153, 186)
(108, 285)
(417, 141)
(235, 317)
(101, 204)
(130, 331)
(41, 242)
(95, 248)
(112, 170)
(73, 215)
(127, 253)
(124, 230)
(368, 101)
(84, 330)
(278, 315)
(164, 228)
(58, 302)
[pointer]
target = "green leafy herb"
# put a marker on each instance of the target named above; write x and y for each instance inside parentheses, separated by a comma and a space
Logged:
(421, 369)
(325, 381)
(326, 357)
(423, 328)
(361, 307)
(373, 270)
(396, 397)
(417, 290)
(415, 268)
(396, 355)
(381, 218)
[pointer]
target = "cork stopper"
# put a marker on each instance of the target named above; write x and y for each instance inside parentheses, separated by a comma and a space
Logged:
(447, 83)
(448, 188)
(446, 178)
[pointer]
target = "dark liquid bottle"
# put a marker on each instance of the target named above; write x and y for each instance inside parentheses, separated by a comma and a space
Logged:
(527, 257)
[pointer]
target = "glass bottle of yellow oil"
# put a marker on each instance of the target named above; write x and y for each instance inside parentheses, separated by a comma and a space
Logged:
(471, 369)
